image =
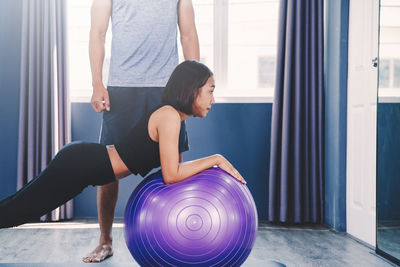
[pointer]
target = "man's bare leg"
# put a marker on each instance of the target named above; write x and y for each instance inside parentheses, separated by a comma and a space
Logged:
(107, 196)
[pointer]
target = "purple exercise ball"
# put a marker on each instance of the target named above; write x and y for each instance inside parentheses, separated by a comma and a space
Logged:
(209, 219)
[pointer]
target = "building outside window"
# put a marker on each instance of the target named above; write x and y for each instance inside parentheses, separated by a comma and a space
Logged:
(266, 72)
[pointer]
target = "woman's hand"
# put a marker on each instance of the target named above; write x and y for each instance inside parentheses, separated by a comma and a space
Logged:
(224, 164)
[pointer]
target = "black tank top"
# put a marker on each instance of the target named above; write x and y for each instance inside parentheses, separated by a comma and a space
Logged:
(137, 150)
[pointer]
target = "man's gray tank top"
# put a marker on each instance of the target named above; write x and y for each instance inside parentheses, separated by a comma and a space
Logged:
(144, 47)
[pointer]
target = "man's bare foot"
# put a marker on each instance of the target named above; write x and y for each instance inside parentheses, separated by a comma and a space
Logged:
(102, 252)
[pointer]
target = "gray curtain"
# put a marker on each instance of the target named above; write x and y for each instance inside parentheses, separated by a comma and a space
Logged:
(44, 106)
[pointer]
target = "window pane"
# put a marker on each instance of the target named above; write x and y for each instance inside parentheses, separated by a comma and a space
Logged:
(252, 38)
(389, 47)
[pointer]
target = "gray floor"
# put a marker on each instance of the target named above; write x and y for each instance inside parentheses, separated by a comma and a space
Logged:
(63, 244)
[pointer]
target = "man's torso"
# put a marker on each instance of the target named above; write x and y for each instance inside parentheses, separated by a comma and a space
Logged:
(144, 42)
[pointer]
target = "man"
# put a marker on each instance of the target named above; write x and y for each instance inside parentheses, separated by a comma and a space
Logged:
(143, 55)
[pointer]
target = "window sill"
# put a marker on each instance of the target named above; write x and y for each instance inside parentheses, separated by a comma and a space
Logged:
(389, 95)
(239, 99)
(220, 99)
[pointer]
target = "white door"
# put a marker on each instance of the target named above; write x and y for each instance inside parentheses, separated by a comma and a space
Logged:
(361, 120)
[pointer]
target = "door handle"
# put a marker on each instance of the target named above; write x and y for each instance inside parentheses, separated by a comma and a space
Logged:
(375, 62)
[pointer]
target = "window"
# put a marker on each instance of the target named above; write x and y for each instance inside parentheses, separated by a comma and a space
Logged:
(389, 52)
(252, 36)
(389, 73)
(237, 41)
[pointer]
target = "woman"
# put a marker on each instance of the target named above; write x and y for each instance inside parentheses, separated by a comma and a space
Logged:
(152, 143)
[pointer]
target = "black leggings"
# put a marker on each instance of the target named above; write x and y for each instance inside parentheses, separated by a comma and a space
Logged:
(76, 166)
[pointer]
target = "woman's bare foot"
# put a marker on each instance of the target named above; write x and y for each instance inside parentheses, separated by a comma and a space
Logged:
(102, 252)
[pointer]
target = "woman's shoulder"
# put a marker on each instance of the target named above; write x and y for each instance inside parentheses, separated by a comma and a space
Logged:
(167, 112)
(165, 116)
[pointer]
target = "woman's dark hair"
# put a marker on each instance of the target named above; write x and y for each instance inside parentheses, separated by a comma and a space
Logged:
(184, 84)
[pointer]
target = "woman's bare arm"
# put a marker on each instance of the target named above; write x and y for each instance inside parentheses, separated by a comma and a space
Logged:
(168, 126)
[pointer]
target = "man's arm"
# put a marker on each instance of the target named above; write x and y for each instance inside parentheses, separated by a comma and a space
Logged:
(187, 28)
(100, 16)
(189, 39)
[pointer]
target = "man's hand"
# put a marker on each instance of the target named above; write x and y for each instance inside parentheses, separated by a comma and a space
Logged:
(100, 100)
(100, 16)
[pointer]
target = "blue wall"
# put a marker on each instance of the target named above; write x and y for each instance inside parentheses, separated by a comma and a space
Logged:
(240, 132)
(336, 42)
(388, 163)
(10, 58)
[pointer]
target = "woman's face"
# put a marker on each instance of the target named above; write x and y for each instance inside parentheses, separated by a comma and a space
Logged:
(205, 98)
